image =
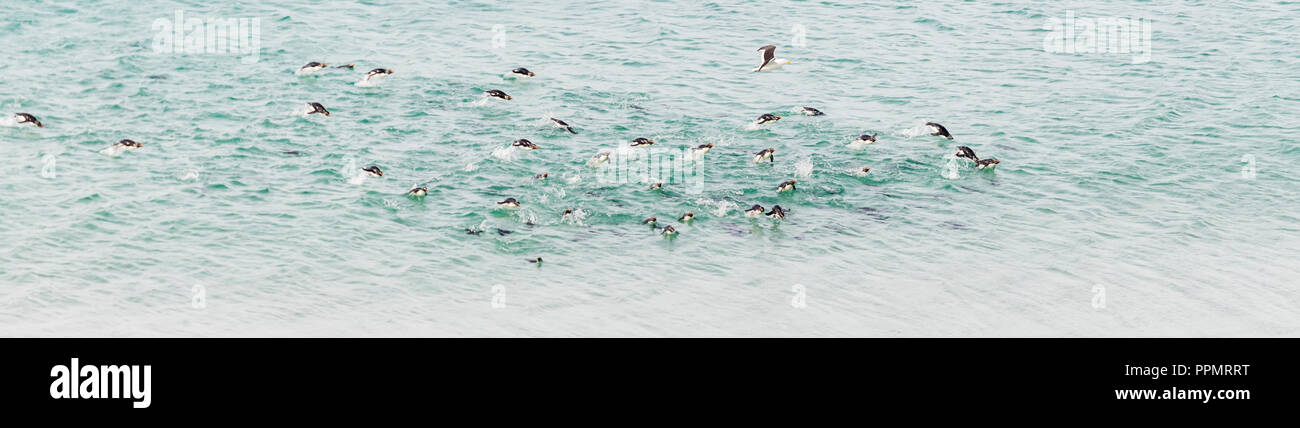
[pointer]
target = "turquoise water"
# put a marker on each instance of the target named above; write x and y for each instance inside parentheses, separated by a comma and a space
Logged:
(1115, 176)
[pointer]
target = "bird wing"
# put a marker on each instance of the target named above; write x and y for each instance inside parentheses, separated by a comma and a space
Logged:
(769, 52)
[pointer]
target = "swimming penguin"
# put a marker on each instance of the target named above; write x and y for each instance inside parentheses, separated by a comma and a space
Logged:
(765, 155)
(27, 118)
(373, 171)
(642, 142)
(503, 232)
(378, 73)
(938, 130)
(318, 108)
(126, 146)
(776, 212)
(562, 125)
(418, 191)
(347, 66)
(966, 152)
(650, 221)
(498, 95)
(770, 61)
(986, 163)
(600, 158)
(473, 232)
(657, 186)
(312, 67)
(668, 231)
(766, 119)
(541, 176)
(686, 218)
(535, 261)
(865, 169)
(785, 186)
(524, 144)
(702, 149)
(865, 139)
(809, 111)
(522, 72)
(567, 213)
(509, 203)
(754, 211)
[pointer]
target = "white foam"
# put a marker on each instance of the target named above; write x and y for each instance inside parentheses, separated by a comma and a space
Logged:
(803, 168)
(114, 150)
(359, 179)
(505, 153)
(720, 208)
(576, 217)
(915, 131)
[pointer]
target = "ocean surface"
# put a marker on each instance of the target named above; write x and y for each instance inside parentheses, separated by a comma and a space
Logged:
(1154, 198)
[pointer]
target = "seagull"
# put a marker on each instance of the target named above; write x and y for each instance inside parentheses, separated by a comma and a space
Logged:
(770, 62)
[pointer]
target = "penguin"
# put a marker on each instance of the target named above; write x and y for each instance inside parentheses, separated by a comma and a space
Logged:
(668, 231)
(600, 158)
(563, 125)
(642, 142)
(687, 218)
(125, 146)
(650, 221)
(785, 186)
(509, 203)
(418, 191)
(28, 118)
(522, 72)
(657, 186)
(473, 232)
(865, 169)
(498, 95)
(537, 261)
(702, 149)
(776, 212)
(312, 67)
(986, 163)
(966, 152)
(378, 73)
(567, 214)
(766, 119)
(503, 232)
(524, 144)
(347, 66)
(754, 211)
(373, 171)
(809, 111)
(542, 176)
(318, 108)
(865, 139)
(765, 155)
(939, 130)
